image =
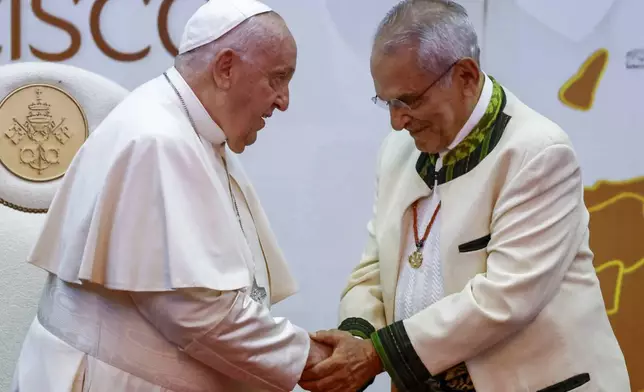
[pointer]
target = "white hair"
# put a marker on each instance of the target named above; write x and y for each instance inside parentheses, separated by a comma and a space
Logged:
(439, 29)
(244, 38)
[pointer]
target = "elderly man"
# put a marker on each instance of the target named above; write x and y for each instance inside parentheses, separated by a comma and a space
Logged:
(477, 274)
(162, 265)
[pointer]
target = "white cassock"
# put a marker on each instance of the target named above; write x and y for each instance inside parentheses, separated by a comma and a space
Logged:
(153, 285)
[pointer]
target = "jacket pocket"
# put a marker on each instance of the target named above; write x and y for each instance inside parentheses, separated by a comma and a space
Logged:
(474, 245)
(568, 385)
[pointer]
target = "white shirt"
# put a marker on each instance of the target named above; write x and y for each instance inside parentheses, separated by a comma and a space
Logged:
(419, 288)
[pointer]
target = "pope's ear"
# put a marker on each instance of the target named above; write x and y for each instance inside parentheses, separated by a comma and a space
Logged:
(222, 68)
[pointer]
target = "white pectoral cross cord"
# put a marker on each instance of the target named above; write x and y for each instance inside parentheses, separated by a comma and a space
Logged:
(257, 292)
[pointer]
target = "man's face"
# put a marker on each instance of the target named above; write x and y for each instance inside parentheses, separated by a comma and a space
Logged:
(260, 87)
(432, 112)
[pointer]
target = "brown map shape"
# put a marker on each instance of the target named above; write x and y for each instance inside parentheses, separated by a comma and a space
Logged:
(617, 239)
(579, 91)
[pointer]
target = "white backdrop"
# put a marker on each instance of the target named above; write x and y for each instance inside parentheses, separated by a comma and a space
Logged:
(534, 61)
(313, 166)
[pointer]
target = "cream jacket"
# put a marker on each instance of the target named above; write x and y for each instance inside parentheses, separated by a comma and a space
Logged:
(523, 307)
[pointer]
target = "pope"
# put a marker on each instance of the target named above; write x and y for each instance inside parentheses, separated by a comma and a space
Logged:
(162, 266)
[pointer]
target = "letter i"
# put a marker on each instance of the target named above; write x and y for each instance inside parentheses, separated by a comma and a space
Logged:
(16, 30)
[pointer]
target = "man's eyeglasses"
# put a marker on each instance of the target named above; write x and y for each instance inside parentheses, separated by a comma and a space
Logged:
(412, 102)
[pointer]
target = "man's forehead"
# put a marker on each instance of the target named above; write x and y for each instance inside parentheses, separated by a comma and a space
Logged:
(395, 76)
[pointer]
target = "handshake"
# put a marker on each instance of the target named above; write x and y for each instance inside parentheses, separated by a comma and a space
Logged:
(338, 361)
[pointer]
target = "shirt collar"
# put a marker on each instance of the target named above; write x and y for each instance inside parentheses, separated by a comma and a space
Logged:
(205, 125)
(475, 117)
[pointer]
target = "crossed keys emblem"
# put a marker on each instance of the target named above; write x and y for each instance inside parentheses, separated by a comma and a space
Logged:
(42, 133)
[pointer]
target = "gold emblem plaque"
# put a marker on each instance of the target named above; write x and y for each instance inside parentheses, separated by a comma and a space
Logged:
(41, 129)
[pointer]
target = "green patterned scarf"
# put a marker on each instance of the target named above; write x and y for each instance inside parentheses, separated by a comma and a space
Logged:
(471, 151)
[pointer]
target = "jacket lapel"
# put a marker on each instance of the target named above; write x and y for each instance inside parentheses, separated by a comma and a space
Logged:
(282, 283)
(409, 188)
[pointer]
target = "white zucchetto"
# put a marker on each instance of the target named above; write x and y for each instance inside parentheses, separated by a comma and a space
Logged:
(215, 18)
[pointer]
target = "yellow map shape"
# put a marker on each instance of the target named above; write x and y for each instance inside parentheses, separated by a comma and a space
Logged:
(613, 307)
(579, 91)
(617, 240)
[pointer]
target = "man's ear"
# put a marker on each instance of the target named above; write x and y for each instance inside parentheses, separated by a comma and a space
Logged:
(222, 69)
(469, 75)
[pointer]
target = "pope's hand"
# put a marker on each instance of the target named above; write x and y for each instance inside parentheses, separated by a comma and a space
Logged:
(354, 362)
(318, 352)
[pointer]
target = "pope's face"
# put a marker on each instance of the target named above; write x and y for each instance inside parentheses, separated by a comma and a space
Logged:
(263, 88)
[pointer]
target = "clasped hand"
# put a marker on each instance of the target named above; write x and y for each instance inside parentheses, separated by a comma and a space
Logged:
(339, 362)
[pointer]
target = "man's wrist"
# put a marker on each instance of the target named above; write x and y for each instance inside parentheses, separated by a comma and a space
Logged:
(375, 363)
(399, 358)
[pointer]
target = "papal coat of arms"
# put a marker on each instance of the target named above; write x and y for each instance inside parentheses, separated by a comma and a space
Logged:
(41, 129)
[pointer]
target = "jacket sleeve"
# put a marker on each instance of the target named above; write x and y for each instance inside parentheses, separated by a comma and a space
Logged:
(231, 333)
(537, 227)
(362, 309)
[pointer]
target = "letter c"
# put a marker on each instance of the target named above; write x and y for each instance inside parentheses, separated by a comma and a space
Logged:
(164, 34)
(95, 27)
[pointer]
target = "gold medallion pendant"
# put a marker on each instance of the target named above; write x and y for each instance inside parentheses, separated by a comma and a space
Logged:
(416, 259)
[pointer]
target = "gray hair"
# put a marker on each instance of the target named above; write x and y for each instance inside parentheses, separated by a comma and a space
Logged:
(439, 29)
(244, 38)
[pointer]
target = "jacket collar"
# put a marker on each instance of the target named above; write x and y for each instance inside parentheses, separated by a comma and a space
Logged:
(475, 117)
(469, 152)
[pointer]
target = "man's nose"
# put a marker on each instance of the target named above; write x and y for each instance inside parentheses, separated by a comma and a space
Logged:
(282, 100)
(399, 119)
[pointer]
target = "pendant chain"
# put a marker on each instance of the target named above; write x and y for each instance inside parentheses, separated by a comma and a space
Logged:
(416, 257)
(257, 293)
(421, 242)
